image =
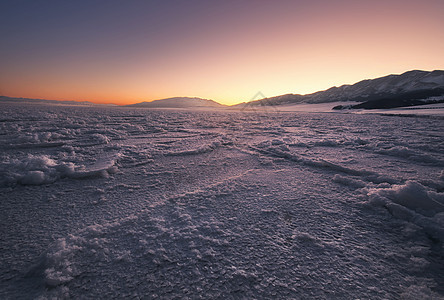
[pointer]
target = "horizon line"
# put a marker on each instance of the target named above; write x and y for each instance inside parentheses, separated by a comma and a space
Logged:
(228, 105)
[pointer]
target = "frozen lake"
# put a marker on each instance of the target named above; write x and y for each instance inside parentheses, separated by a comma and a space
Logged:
(101, 202)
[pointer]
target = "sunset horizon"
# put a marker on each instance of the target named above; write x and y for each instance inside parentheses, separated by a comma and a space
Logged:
(252, 98)
(111, 52)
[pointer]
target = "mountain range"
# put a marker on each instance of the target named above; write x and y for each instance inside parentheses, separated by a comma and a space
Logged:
(408, 89)
(389, 91)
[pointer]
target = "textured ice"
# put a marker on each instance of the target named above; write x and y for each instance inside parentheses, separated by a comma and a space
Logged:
(133, 203)
(40, 169)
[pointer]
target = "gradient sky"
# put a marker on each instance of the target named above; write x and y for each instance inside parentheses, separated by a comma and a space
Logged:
(130, 51)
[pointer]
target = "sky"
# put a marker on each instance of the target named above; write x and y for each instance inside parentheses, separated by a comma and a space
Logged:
(125, 52)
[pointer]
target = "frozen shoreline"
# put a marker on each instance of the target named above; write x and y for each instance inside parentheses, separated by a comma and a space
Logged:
(422, 110)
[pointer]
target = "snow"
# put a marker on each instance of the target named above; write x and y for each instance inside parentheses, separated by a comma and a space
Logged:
(40, 169)
(421, 110)
(112, 202)
(319, 107)
(433, 110)
(437, 79)
(414, 196)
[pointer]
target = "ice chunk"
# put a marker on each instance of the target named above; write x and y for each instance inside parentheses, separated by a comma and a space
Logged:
(41, 169)
(414, 196)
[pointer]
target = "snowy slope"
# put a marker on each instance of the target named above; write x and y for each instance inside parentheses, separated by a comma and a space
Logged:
(112, 202)
(366, 90)
(379, 87)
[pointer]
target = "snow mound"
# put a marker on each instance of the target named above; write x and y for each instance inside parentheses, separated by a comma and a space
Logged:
(351, 182)
(411, 154)
(414, 203)
(41, 169)
(413, 196)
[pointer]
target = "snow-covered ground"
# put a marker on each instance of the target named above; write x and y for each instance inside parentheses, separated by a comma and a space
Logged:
(423, 110)
(309, 107)
(101, 202)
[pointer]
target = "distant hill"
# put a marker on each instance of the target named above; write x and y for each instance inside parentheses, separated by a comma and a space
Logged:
(179, 102)
(414, 85)
(47, 102)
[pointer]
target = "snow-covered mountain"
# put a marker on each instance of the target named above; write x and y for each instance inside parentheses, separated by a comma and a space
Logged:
(179, 102)
(432, 83)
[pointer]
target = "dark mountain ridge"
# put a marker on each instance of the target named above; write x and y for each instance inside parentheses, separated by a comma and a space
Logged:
(417, 84)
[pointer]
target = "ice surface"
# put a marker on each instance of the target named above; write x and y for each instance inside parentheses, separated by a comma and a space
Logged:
(131, 203)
